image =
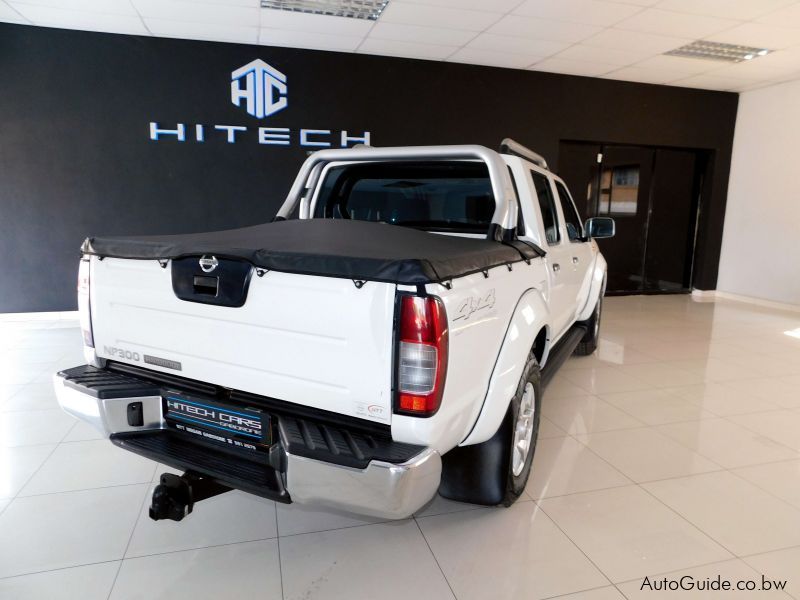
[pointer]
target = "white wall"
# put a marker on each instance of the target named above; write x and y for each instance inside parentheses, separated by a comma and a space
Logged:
(761, 241)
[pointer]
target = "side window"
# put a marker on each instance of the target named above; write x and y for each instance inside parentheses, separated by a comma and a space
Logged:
(547, 205)
(571, 218)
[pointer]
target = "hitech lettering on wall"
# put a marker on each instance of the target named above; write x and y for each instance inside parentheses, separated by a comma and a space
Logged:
(262, 90)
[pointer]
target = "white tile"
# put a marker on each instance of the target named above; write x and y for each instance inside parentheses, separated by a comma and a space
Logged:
(421, 14)
(659, 374)
(656, 407)
(74, 19)
(17, 465)
(714, 501)
(590, 12)
(722, 399)
(82, 432)
(54, 531)
(293, 21)
(586, 414)
(357, 561)
(779, 565)
(522, 554)
(294, 519)
(28, 428)
(90, 582)
(560, 387)
(641, 75)
(759, 35)
(313, 41)
(572, 67)
(744, 10)
(85, 465)
(491, 58)
(690, 66)
(251, 569)
(609, 56)
(645, 454)
(781, 479)
(34, 396)
(662, 22)
(789, 16)
(730, 570)
(502, 6)
(9, 15)
(627, 533)
(424, 35)
(636, 41)
(603, 593)
(198, 12)
(543, 29)
(406, 49)
(515, 45)
(565, 466)
(4, 502)
(604, 380)
(225, 519)
(110, 7)
(548, 429)
(726, 443)
(781, 426)
(202, 31)
(776, 391)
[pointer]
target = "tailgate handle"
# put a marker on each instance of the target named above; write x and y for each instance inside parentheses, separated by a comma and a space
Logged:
(207, 286)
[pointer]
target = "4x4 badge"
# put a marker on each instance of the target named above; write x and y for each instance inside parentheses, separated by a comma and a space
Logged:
(208, 264)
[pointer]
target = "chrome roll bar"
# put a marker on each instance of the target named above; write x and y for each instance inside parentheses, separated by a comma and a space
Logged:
(505, 210)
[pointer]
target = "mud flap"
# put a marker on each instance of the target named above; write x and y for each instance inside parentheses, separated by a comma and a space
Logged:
(478, 473)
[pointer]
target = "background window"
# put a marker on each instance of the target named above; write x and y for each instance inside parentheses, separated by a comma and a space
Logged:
(619, 190)
(548, 207)
(571, 219)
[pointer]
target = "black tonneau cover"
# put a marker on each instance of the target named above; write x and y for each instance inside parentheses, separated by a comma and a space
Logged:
(356, 250)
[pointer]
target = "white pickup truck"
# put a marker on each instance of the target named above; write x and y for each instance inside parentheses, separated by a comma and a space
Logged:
(387, 336)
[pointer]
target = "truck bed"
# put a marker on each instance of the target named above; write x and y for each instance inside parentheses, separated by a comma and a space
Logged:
(356, 250)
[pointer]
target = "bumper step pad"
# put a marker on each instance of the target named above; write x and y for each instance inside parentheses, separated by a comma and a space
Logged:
(179, 452)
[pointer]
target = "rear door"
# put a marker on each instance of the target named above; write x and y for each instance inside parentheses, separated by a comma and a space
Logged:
(580, 253)
(559, 254)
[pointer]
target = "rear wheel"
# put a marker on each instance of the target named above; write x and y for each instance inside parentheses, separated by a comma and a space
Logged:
(525, 409)
(496, 471)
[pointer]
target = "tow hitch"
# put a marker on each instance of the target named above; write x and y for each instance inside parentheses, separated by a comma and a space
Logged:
(175, 496)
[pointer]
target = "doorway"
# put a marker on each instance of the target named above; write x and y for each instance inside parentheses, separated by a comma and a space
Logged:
(653, 194)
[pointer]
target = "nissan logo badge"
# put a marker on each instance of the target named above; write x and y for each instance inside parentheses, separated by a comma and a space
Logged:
(208, 264)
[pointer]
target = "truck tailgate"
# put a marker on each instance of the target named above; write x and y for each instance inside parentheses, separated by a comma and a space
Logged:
(316, 341)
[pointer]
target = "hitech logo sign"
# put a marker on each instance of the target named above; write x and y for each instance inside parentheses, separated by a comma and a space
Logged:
(262, 91)
(265, 89)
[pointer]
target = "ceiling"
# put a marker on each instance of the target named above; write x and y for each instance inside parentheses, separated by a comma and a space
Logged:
(616, 40)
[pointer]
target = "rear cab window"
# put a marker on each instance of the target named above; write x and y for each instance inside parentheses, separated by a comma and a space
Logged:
(447, 196)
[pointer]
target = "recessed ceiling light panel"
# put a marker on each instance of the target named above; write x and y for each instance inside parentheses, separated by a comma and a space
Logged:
(718, 51)
(354, 9)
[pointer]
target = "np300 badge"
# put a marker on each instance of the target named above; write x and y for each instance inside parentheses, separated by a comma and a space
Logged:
(208, 263)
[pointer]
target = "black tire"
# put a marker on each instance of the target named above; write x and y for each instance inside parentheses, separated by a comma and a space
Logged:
(588, 343)
(484, 473)
(515, 482)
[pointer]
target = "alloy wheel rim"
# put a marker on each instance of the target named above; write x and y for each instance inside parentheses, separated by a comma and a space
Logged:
(523, 430)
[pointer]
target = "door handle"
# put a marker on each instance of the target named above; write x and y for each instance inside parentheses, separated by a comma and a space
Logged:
(575, 260)
(556, 267)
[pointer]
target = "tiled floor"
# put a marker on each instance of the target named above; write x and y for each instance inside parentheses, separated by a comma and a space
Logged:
(674, 450)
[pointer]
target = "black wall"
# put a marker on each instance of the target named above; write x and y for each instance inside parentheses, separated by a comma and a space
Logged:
(76, 158)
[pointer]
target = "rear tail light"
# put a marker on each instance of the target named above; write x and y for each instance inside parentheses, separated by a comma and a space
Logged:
(421, 355)
(84, 310)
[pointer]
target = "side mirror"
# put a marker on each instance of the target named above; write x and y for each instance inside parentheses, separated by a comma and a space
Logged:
(600, 227)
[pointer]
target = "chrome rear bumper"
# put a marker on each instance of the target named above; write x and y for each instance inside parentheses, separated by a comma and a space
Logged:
(382, 489)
